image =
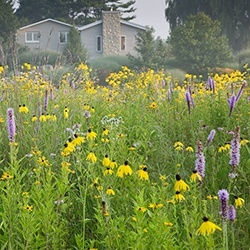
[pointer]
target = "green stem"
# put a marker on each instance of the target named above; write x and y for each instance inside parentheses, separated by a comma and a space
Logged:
(225, 237)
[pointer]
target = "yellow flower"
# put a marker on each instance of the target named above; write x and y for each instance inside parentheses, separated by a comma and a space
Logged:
(124, 169)
(91, 157)
(155, 205)
(178, 144)
(141, 209)
(180, 184)
(243, 142)
(212, 197)
(42, 118)
(189, 149)
(28, 208)
(142, 172)
(91, 135)
(113, 164)
(178, 196)
(23, 109)
(238, 201)
(108, 171)
(105, 132)
(106, 161)
(153, 105)
(168, 224)
(1, 120)
(110, 191)
(195, 176)
(207, 227)
(66, 112)
(6, 176)
(77, 140)
(34, 118)
(163, 177)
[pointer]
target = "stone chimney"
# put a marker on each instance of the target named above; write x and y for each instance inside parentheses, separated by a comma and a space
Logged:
(111, 32)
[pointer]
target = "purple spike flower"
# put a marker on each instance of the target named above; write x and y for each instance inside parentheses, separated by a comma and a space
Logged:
(188, 99)
(223, 196)
(241, 90)
(210, 84)
(169, 95)
(200, 160)
(235, 152)
(210, 137)
(46, 100)
(231, 102)
(231, 213)
(11, 124)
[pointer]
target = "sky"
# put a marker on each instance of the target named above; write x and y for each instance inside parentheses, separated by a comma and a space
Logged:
(152, 13)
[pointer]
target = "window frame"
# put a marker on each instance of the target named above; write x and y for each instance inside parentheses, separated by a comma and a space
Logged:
(99, 43)
(33, 33)
(66, 33)
(123, 44)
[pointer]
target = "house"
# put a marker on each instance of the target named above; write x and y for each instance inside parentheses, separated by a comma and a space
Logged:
(109, 36)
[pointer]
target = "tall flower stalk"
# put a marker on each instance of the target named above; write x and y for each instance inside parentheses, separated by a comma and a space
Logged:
(11, 124)
(200, 160)
(235, 152)
(224, 196)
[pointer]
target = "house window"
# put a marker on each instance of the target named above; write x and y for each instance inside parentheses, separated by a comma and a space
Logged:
(98, 43)
(63, 37)
(32, 37)
(123, 43)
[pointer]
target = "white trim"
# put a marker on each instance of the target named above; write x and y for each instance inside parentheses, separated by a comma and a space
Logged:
(43, 21)
(32, 35)
(135, 25)
(87, 26)
(66, 37)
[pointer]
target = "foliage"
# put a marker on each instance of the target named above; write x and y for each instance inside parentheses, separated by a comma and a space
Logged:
(197, 44)
(60, 179)
(80, 12)
(233, 15)
(151, 52)
(243, 56)
(74, 50)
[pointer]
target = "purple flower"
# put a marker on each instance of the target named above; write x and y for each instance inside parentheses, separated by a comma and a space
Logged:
(235, 152)
(223, 196)
(231, 102)
(169, 95)
(188, 99)
(231, 213)
(200, 160)
(210, 137)
(45, 103)
(210, 84)
(11, 124)
(241, 90)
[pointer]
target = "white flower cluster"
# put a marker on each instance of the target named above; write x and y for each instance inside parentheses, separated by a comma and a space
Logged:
(111, 121)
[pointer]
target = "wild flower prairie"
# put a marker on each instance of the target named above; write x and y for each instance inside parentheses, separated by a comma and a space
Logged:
(145, 162)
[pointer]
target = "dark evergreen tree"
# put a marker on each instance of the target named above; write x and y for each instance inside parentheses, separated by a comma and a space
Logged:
(74, 50)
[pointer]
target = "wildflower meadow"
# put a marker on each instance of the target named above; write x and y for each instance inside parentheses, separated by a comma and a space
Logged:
(143, 162)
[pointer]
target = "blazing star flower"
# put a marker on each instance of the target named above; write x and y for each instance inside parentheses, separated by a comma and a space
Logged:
(142, 172)
(110, 191)
(106, 161)
(241, 91)
(178, 197)
(231, 213)
(11, 124)
(45, 100)
(91, 157)
(207, 227)
(210, 137)
(180, 184)
(91, 135)
(124, 169)
(200, 160)
(195, 176)
(239, 202)
(231, 102)
(223, 197)
(210, 84)
(188, 100)
(235, 152)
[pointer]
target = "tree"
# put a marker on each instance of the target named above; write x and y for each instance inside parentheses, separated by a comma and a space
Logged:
(74, 51)
(152, 53)
(79, 12)
(8, 24)
(198, 44)
(233, 15)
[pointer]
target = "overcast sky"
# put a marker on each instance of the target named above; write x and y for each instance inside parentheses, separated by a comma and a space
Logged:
(152, 13)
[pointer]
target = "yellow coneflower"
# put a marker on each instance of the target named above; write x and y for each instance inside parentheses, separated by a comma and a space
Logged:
(91, 135)
(207, 227)
(180, 184)
(142, 172)
(212, 197)
(153, 105)
(77, 140)
(91, 157)
(113, 164)
(243, 142)
(168, 224)
(6, 176)
(124, 169)
(42, 118)
(239, 202)
(106, 161)
(34, 118)
(108, 171)
(66, 112)
(178, 196)
(23, 109)
(195, 176)
(105, 132)
(141, 209)
(189, 149)
(110, 191)
(28, 208)
(155, 205)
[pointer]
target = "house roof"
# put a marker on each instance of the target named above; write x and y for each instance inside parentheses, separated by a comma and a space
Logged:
(84, 27)
(44, 21)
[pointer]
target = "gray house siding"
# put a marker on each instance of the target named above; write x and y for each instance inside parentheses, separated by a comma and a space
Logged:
(48, 36)
(89, 40)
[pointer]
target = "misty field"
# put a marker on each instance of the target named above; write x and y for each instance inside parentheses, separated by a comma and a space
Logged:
(145, 162)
